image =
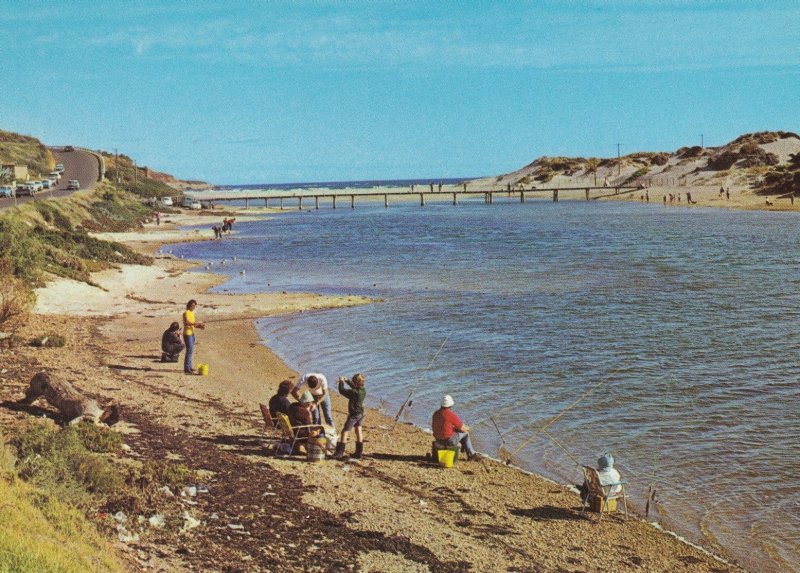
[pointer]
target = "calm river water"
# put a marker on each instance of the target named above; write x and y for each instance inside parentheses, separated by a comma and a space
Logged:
(679, 326)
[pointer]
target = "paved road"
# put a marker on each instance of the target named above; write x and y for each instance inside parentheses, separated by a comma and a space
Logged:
(78, 164)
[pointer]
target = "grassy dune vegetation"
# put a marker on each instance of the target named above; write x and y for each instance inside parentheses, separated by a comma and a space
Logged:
(52, 236)
(24, 150)
(40, 533)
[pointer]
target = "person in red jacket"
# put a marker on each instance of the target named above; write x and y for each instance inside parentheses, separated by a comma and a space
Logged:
(449, 430)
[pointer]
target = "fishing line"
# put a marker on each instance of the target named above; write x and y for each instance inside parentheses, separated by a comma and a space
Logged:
(407, 401)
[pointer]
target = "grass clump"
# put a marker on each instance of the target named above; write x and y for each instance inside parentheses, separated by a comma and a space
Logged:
(166, 473)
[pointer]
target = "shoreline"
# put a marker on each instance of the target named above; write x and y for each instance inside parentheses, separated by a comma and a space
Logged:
(245, 370)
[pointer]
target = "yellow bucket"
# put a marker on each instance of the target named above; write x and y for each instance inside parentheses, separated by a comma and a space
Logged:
(446, 458)
(202, 369)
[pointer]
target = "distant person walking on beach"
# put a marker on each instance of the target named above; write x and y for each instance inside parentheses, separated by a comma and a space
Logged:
(158, 218)
(317, 384)
(450, 431)
(189, 324)
(728, 193)
(355, 414)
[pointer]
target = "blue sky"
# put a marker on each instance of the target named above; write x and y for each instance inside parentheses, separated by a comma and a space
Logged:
(253, 92)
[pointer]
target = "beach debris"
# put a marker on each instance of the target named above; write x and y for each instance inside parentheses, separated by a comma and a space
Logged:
(125, 536)
(202, 488)
(156, 520)
(120, 517)
(235, 526)
(213, 516)
(166, 491)
(189, 522)
(67, 400)
(241, 272)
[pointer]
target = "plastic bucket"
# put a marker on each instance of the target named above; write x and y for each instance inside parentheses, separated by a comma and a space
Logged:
(202, 369)
(446, 458)
(315, 449)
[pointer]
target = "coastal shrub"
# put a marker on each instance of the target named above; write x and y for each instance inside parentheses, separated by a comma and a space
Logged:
(16, 297)
(99, 439)
(52, 214)
(20, 249)
(659, 159)
(723, 161)
(781, 180)
(166, 473)
(690, 152)
(635, 175)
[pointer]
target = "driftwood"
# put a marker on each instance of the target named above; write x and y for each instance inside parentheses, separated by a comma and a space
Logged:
(72, 405)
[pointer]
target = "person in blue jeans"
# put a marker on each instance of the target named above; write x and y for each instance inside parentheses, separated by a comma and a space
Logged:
(189, 324)
(317, 384)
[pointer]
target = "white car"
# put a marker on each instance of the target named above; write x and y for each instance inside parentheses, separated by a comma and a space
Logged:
(73, 185)
(45, 184)
(190, 203)
(60, 168)
(35, 186)
(55, 174)
(166, 201)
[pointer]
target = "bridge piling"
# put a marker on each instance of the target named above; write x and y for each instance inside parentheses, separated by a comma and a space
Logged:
(247, 203)
(555, 195)
(316, 202)
(422, 198)
(281, 203)
(334, 201)
(266, 203)
(299, 203)
(385, 200)
(587, 193)
(352, 201)
(522, 196)
(455, 198)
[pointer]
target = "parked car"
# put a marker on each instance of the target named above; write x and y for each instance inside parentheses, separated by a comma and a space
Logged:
(45, 183)
(24, 189)
(60, 167)
(69, 148)
(36, 186)
(73, 185)
(56, 174)
(166, 201)
(191, 203)
(6, 192)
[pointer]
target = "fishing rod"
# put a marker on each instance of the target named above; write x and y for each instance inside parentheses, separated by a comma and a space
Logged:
(509, 455)
(411, 393)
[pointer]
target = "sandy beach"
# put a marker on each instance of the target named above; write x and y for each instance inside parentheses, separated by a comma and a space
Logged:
(392, 511)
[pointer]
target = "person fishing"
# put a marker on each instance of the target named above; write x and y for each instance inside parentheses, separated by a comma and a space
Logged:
(450, 431)
(608, 476)
(189, 324)
(355, 414)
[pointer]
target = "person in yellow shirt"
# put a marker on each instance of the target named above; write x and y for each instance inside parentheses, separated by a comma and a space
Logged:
(189, 324)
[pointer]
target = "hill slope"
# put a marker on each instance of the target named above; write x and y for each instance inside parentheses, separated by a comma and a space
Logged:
(764, 162)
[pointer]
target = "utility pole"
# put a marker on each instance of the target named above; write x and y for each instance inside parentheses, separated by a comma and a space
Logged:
(619, 161)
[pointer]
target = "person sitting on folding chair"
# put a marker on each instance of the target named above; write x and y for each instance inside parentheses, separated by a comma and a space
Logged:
(280, 402)
(300, 415)
(607, 473)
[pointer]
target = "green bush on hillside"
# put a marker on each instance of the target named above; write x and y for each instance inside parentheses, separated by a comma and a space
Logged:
(23, 252)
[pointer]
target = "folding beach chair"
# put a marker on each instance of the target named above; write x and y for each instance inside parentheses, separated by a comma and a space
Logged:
(291, 434)
(271, 433)
(602, 495)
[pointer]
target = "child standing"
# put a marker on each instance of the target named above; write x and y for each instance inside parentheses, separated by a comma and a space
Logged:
(355, 414)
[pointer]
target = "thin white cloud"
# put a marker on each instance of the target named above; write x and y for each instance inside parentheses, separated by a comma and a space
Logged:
(672, 38)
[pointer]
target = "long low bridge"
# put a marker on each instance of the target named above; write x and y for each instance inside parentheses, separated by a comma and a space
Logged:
(430, 191)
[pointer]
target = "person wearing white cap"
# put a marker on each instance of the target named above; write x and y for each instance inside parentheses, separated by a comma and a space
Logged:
(449, 430)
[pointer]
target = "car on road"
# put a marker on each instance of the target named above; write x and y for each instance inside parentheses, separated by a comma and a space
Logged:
(24, 189)
(73, 185)
(166, 201)
(56, 174)
(45, 183)
(6, 192)
(36, 186)
(69, 148)
(60, 167)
